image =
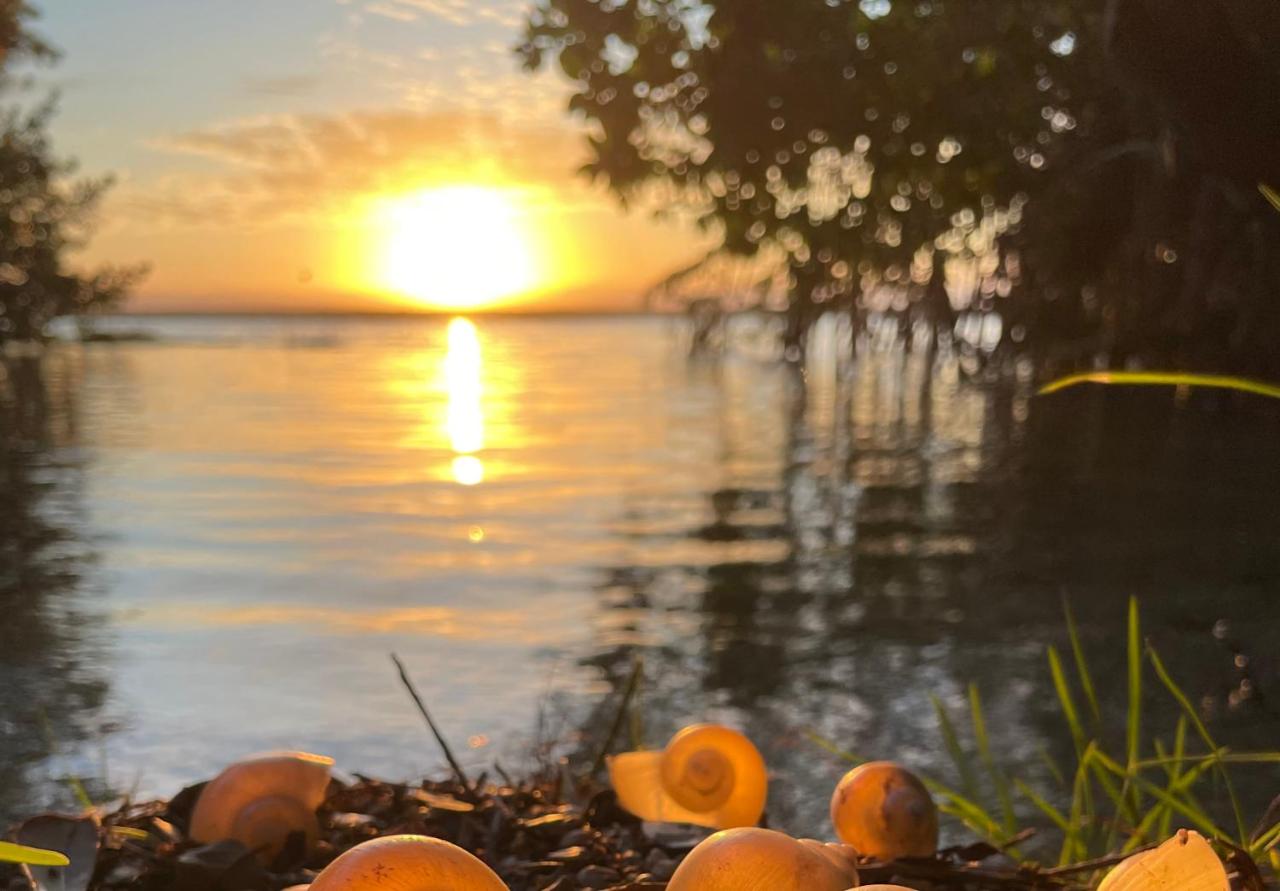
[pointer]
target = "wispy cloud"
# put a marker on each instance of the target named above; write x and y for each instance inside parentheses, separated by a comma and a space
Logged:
(391, 11)
(481, 74)
(462, 13)
(289, 86)
(291, 165)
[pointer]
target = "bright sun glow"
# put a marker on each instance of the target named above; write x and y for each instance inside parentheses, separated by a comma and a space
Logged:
(464, 421)
(459, 247)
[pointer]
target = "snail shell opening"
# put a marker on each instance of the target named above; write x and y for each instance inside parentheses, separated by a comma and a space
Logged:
(407, 863)
(885, 811)
(750, 859)
(265, 824)
(707, 775)
(261, 800)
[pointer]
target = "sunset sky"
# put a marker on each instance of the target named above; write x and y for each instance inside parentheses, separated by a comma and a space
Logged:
(339, 155)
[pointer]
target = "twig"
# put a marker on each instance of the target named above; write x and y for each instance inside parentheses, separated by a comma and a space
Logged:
(435, 731)
(632, 683)
(1097, 863)
(941, 873)
(1269, 819)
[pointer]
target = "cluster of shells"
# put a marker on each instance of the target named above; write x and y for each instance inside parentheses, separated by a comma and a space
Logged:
(708, 775)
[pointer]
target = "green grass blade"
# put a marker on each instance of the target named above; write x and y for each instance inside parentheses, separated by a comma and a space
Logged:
(951, 739)
(1054, 770)
(1202, 821)
(1064, 698)
(1082, 665)
(1172, 770)
(83, 798)
(1179, 743)
(1194, 717)
(1265, 842)
(1272, 196)
(1114, 793)
(975, 818)
(1162, 379)
(1073, 848)
(11, 853)
(1123, 815)
(1179, 751)
(1128, 800)
(1224, 756)
(1162, 814)
(1058, 818)
(1251, 758)
(1133, 725)
(984, 752)
(823, 743)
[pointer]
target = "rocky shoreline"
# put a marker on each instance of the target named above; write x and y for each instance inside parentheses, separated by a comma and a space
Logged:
(540, 834)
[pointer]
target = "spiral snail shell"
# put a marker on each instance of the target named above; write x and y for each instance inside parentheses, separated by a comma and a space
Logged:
(708, 775)
(1184, 862)
(407, 863)
(750, 859)
(261, 800)
(884, 811)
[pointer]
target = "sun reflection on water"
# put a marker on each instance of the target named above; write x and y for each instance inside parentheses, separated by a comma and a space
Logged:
(464, 421)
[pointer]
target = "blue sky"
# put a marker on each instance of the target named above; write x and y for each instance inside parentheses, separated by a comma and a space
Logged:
(137, 67)
(243, 133)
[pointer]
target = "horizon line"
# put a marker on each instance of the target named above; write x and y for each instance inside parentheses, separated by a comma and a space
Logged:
(375, 313)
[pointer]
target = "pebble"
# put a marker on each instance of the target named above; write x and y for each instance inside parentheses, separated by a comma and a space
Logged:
(597, 877)
(660, 865)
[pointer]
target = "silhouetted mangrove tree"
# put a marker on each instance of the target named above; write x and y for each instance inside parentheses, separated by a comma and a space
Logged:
(1095, 173)
(44, 211)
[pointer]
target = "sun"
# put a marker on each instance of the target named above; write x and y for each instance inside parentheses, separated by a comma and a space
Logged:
(455, 247)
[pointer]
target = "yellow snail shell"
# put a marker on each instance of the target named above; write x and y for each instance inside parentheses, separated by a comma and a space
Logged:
(260, 801)
(407, 863)
(884, 811)
(751, 859)
(1184, 862)
(707, 775)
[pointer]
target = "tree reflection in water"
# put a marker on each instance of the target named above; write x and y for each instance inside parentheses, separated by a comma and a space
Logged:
(926, 528)
(51, 688)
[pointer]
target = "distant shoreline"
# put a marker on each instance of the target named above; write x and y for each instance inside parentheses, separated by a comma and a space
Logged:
(391, 314)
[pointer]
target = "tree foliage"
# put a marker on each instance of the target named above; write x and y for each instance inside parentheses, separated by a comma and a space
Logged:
(889, 148)
(45, 212)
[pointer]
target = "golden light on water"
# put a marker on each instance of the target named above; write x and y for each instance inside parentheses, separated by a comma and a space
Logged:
(464, 418)
(468, 470)
(456, 247)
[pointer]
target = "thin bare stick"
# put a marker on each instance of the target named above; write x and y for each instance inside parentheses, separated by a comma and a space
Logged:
(435, 731)
(1097, 863)
(632, 683)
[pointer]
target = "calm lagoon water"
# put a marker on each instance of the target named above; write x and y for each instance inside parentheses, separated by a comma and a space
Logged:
(212, 541)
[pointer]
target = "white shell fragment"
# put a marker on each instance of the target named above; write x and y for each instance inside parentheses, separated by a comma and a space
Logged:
(1183, 863)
